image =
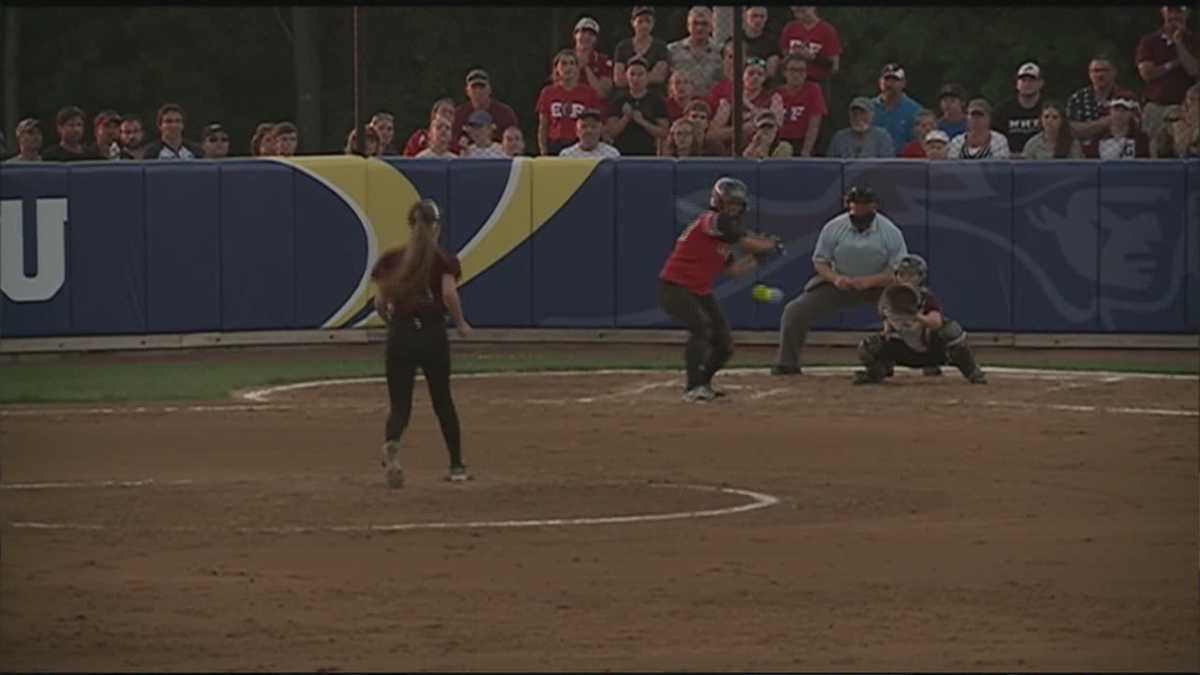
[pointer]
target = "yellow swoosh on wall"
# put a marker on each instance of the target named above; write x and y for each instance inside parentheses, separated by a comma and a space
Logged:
(380, 195)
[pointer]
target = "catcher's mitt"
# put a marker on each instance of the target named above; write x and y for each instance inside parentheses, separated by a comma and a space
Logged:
(899, 305)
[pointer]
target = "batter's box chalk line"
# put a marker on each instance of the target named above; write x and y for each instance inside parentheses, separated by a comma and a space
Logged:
(757, 500)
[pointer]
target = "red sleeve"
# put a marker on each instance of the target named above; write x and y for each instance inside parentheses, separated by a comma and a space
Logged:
(543, 101)
(606, 66)
(835, 41)
(913, 150)
(506, 117)
(450, 264)
(1145, 52)
(785, 38)
(931, 302)
(415, 144)
(598, 103)
(818, 101)
(387, 261)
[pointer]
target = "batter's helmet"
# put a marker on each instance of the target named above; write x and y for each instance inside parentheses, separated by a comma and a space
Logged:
(915, 265)
(727, 190)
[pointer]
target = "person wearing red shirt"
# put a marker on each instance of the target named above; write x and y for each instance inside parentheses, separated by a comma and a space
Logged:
(559, 105)
(755, 99)
(442, 108)
(479, 97)
(701, 254)
(596, 67)
(679, 94)
(924, 123)
(814, 39)
(803, 106)
(1168, 61)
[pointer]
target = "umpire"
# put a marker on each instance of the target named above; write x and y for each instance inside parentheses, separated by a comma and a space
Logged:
(854, 258)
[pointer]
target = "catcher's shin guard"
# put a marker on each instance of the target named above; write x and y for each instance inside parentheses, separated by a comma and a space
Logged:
(951, 334)
(871, 354)
(964, 359)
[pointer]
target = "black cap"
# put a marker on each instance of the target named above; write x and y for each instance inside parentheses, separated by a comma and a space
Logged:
(638, 60)
(591, 113)
(860, 194)
(642, 9)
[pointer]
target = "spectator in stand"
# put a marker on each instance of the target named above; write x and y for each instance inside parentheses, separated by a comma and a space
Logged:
(682, 141)
(1020, 118)
(479, 97)
(952, 102)
(170, 144)
(1179, 135)
(724, 87)
(384, 124)
(70, 146)
(936, 144)
(440, 136)
(589, 128)
(596, 68)
(862, 139)
(443, 108)
(287, 139)
(894, 110)
(643, 44)
(513, 142)
(699, 114)
(755, 99)
(1087, 108)
(133, 136)
(1054, 141)
(1167, 61)
(680, 93)
(979, 141)
(107, 129)
(765, 143)
(638, 116)
(29, 141)
(696, 54)
(803, 106)
(817, 42)
(1123, 139)
(758, 43)
(559, 105)
(481, 129)
(214, 141)
(373, 144)
(925, 122)
(262, 144)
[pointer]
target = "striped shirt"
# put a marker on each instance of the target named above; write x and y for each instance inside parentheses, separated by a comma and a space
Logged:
(852, 253)
(997, 148)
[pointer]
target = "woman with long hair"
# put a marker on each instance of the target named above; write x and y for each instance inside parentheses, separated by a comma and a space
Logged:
(682, 140)
(443, 108)
(1055, 140)
(559, 104)
(418, 284)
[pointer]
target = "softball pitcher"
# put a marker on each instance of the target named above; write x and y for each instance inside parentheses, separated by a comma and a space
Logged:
(915, 332)
(701, 254)
(417, 284)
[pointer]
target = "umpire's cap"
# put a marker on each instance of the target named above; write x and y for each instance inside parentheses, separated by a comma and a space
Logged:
(860, 194)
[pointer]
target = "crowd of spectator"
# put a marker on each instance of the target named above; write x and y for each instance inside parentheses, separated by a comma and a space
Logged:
(676, 100)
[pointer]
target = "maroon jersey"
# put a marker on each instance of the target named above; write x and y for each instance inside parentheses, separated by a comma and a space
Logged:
(503, 117)
(430, 300)
(701, 253)
(1159, 49)
(420, 140)
(563, 107)
(799, 107)
(822, 36)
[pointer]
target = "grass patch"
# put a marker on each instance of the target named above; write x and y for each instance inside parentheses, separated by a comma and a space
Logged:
(210, 379)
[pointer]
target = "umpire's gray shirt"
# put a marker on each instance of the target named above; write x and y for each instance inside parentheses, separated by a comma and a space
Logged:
(855, 254)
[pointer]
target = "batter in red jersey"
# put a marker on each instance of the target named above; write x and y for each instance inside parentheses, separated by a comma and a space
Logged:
(701, 254)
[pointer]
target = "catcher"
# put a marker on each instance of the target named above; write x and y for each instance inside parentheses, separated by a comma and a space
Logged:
(915, 332)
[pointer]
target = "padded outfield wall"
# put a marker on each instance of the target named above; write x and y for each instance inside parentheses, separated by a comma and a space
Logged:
(178, 247)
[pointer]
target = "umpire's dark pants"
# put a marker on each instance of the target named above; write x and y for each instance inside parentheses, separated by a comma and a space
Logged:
(710, 344)
(819, 299)
(413, 342)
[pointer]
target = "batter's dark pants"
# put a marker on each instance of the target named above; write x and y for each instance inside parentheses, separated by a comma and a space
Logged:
(421, 342)
(710, 344)
(819, 299)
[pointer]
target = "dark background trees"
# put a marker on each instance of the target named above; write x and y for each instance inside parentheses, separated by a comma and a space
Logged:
(243, 65)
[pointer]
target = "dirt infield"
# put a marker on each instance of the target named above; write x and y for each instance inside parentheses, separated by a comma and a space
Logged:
(1036, 523)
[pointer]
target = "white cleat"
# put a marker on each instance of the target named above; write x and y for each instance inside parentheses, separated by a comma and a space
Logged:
(458, 474)
(699, 394)
(392, 471)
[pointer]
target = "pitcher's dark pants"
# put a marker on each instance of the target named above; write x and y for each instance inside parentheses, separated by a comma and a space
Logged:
(710, 344)
(420, 342)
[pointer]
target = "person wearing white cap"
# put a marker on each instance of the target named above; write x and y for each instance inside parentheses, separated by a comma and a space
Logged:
(895, 111)
(935, 144)
(1020, 118)
(1123, 139)
(1088, 108)
(697, 54)
(1168, 61)
(596, 68)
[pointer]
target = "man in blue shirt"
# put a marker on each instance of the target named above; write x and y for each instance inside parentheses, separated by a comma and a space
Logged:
(895, 112)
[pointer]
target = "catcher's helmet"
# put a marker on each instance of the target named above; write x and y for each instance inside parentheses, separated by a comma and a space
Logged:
(727, 190)
(860, 194)
(913, 264)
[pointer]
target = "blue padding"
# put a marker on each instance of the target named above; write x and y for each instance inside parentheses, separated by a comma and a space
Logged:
(1055, 230)
(1142, 246)
(970, 241)
(501, 295)
(107, 249)
(183, 251)
(694, 180)
(48, 317)
(795, 200)
(645, 236)
(573, 284)
(431, 178)
(330, 247)
(1193, 244)
(258, 218)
